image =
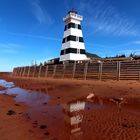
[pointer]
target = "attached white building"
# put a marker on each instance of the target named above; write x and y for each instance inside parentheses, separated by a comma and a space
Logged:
(73, 48)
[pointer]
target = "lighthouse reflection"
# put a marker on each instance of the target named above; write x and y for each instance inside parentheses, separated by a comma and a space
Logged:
(73, 117)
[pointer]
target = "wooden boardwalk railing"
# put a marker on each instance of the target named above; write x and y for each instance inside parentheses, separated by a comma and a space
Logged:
(129, 70)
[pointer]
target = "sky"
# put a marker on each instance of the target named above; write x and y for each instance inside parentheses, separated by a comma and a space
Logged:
(32, 30)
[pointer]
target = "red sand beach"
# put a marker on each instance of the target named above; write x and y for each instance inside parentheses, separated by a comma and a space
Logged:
(101, 118)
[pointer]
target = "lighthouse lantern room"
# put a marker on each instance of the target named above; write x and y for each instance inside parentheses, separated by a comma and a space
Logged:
(73, 48)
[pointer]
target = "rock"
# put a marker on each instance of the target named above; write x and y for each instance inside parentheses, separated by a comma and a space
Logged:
(11, 112)
(90, 96)
(42, 126)
(47, 133)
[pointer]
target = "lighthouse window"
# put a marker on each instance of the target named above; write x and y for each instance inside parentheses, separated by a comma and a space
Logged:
(67, 50)
(65, 28)
(81, 39)
(68, 38)
(82, 51)
(71, 25)
(63, 40)
(72, 38)
(71, 50)
(79, 26)
(62, 52)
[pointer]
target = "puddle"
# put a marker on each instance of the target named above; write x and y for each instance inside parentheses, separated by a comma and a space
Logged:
(6, 84)
(65, 121)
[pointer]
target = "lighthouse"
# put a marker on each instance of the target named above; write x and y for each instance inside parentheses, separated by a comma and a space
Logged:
(73, 48)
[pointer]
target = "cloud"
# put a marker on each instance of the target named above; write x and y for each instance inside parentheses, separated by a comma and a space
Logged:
(136, 42)
(40, 13)
(103, 17)
(9, 47)
(34, 36)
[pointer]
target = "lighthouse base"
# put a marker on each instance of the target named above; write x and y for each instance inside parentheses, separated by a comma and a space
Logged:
(73, 57)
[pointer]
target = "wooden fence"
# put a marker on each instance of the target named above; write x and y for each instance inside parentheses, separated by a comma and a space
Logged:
(129, 70)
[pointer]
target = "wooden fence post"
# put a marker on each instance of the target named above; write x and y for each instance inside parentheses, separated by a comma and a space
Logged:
(24, 71)
(100, 70)
(74, 68)
(14, 71)
(118, 70)
(139, 75)
(28, 75)
(17, 71)
(54, 70)
(64, 67)
(21, 71)
(39, 71)
(85, 70)
(34, 71)
(46, 72)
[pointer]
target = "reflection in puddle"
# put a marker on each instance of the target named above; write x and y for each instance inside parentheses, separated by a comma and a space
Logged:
(73, 116)
(6, 84)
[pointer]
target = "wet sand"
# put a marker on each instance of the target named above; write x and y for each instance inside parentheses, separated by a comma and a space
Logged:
(14, 122)
(101, 118)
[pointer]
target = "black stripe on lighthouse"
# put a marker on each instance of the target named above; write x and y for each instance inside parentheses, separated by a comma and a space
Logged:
(72, 38)
(72, 25)
(72, 50)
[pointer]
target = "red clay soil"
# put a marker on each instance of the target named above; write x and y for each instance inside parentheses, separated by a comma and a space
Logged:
(105, 123)
(2, 88)
(14, 121)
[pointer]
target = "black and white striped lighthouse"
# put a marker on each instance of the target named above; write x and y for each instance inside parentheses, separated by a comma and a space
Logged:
(73, 48)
